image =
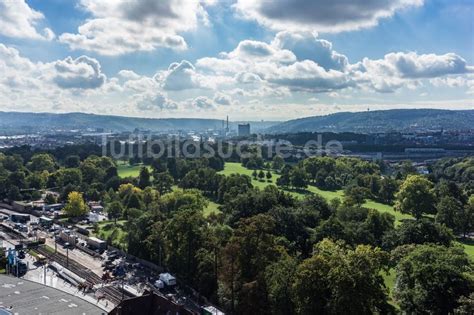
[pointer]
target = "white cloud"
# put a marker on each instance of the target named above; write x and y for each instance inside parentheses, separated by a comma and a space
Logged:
(466, 81)
(321, 15)
(261, 66)
(289, 71)
(257, 51)
(121, 27)
(80, 73)
(306, 45)
(18, 20)
(406, 69)
(311, 64)
(307, 75)
(48, 34)
(157, 101)
(252, 48)
(222, 99)
(247, 77)
(413, 66)
(450, 81)
(113, 36)
(223, 66)
(38, 86)
(184, 76)
(180, 76)
(129, 75)
(202, 103)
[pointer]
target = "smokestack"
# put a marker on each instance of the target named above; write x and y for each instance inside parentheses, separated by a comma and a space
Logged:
(227, 122)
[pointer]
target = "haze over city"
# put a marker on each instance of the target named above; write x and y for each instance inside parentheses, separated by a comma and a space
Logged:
(252, 60)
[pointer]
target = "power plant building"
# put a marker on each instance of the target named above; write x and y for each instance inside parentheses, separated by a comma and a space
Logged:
(244, 130)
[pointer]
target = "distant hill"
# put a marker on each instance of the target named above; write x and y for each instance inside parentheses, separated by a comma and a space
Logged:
(380, 121)
(362, 122)
(16, 122)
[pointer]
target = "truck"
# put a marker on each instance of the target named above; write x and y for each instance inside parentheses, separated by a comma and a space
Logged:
(40, 259)
(67, 237)
(45, 222)
(168, 279)
(95, 243)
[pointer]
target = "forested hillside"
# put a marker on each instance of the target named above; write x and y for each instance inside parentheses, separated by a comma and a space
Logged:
(380, 121)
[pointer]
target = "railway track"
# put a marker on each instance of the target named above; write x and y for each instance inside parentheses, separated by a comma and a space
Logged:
(12, 234)
(111, 293)
(90, 277)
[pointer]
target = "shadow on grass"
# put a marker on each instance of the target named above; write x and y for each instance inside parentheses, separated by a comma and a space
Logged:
(299, 191)
(466, 241)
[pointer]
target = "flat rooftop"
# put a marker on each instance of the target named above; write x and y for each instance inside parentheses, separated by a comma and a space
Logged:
(19, 296)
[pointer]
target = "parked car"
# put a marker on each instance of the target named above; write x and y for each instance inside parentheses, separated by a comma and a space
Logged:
(159, 284)
(113, 256)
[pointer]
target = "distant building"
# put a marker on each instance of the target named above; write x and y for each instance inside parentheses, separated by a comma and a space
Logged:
(244, 130)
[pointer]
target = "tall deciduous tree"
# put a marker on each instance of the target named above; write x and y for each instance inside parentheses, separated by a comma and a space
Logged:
(450, 211)
(466, 220)
(332, 281)
(298, 178)
(144, 178)
(246, 256)
(75, 205)
(42, 162)
(163, 182)
(114, 210)
(416, 197)
(184, 236)
(277, 162)
(432, 278)
(279, 278)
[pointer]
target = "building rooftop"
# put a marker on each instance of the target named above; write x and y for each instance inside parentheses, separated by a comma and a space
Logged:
(19, 296)
(150, 304)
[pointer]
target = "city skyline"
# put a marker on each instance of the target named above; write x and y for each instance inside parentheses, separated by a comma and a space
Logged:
(251, 60)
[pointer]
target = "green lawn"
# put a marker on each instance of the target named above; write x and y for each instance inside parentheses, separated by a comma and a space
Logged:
(115, 234)
(126, 170)
(389, 280)
(327, 194)
(468, 248)
(389, 209)
(237, 168)
(212, 207)
(231, 168)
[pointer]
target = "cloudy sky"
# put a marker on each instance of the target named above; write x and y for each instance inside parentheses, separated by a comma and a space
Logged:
(249, 59)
